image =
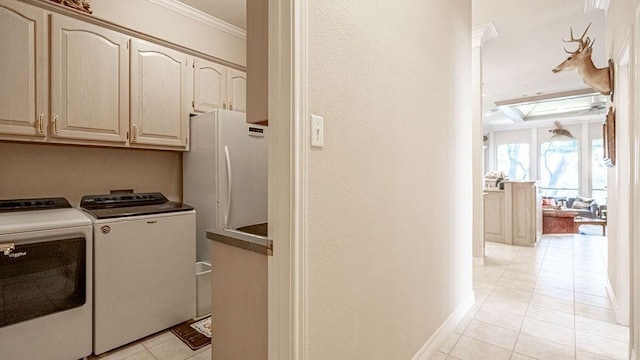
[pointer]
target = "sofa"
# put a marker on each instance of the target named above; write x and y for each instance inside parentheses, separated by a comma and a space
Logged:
(585, 207)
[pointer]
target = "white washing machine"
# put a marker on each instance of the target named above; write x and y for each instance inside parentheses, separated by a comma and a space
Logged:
(45, 280)
(144, 251)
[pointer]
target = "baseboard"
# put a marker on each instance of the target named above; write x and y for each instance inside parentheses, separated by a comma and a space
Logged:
(438, 338)
(478, 261)
(614, 302)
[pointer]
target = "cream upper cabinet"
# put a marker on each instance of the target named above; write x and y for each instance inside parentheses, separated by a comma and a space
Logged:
(209, 86)
(218, 87)
(237, 90)
(159, 115)
(89, 82)
(23, 69)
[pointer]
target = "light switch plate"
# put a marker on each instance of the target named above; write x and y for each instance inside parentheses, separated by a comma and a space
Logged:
(317, 131)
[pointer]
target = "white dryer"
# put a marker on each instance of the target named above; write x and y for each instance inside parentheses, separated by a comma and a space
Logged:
(144, 256)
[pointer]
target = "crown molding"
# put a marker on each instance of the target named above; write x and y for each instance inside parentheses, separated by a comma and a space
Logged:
(596, 4)
(482, 33)
(201, 17)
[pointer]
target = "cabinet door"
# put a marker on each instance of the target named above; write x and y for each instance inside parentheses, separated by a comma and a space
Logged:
(494, 214)
(22, 73)
(209, 86)
(159, 115)
(237, 90)
(89, 82)
(524, 210)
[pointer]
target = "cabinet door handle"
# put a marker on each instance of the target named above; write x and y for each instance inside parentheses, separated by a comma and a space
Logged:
(230, 105)
(55, 125)
(135, 133)
(224, 105)
(41, 124)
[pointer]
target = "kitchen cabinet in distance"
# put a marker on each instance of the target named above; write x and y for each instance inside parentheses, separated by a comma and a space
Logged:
(23, 98)
(513, 216)
(494, 216)
(524, 201)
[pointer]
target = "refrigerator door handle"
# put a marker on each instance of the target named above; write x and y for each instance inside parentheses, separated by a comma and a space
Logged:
(228, 210)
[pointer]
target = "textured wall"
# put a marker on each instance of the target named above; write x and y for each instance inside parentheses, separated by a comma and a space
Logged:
(389, 218)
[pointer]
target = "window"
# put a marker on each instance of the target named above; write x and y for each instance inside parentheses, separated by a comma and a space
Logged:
(598, 172)
(559, 168)
(513, 160)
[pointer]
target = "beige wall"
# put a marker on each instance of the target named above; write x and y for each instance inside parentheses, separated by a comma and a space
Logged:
(39, 170)
(155, 20)
(389, 217)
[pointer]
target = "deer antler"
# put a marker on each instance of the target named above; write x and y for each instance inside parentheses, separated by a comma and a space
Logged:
(601, 79)
(582, 44)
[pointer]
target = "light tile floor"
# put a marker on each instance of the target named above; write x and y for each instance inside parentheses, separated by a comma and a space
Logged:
(162, 346)
(548, 302)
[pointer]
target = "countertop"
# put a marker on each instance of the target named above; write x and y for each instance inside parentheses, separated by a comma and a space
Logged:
(252, 238)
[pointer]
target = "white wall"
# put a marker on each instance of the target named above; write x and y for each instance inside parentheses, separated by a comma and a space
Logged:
(389, 229)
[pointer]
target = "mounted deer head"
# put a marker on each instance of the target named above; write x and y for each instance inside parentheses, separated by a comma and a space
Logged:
(580, 60)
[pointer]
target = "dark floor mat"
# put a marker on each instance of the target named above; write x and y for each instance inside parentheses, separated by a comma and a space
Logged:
(190, 336)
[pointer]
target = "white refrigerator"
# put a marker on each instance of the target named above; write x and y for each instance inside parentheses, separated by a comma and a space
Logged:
(225, 174)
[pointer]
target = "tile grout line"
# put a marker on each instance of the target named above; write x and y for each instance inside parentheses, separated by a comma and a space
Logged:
(547, 251)
(515, 343)
(488, 295)
(529, 302)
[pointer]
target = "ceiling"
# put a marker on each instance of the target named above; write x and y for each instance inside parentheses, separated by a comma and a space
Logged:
(517, 64)
(231, 11)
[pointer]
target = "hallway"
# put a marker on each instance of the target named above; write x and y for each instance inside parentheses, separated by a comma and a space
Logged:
(548, 302)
